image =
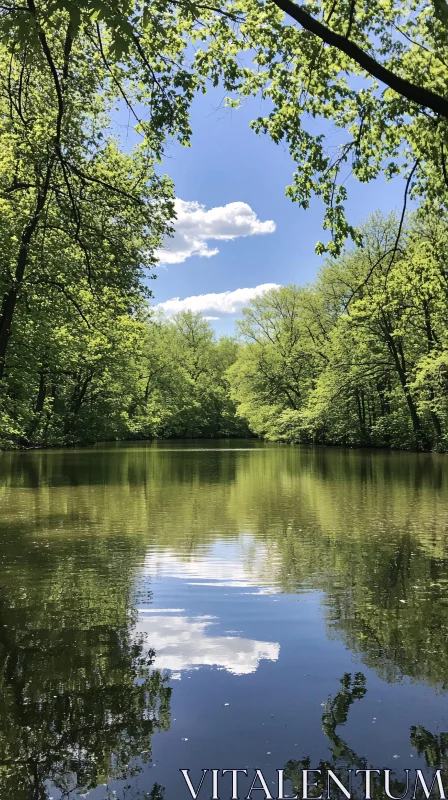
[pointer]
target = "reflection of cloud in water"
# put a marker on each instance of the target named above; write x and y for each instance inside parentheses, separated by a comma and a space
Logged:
(237, 585)
(182, 643)
(237, 564)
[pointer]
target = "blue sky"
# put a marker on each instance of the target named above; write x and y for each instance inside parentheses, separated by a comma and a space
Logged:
(228, 163)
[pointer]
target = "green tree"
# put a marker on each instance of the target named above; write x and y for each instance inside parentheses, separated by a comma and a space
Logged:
(375, 72)
(275, 371)
(186, 382)
(360, 356)
(79, 226)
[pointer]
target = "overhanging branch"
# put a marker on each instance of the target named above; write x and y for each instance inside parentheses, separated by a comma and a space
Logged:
(403, 87)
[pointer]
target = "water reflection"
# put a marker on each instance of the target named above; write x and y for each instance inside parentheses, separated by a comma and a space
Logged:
(343, 759)
(245, 563)
(257, 560)
(77, 707)
(79, 696)
(183, 643)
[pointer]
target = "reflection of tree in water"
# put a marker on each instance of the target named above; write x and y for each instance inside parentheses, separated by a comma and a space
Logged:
(433, 748)
(336, 712)
(83, 724)
(79, 700)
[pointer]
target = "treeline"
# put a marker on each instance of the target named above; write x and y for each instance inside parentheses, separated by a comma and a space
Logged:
(361, 356)
(141, 378)
(358, 358)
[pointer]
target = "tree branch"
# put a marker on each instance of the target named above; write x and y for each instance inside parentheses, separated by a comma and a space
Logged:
(403, 212)
(416, 94)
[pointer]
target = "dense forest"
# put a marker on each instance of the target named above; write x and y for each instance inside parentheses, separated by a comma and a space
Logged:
(358, 358)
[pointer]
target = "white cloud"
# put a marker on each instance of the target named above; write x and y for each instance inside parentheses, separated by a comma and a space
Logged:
(195, 226)
(221, 302)
(211, 318)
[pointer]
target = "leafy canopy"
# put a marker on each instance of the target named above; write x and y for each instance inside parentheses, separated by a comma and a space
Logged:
(375, 71)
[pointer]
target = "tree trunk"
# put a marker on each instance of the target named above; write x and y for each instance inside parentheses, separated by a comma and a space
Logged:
(41, 394)
(397, 354)
(10, 297)
(361, 416)
(432, 340)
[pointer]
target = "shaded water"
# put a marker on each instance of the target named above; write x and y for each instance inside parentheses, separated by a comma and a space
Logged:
(218, 605)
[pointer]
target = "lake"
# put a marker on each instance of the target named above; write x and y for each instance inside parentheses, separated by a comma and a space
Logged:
(218, 605)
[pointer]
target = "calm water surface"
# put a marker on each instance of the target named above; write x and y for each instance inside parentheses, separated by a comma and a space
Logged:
(218, 605)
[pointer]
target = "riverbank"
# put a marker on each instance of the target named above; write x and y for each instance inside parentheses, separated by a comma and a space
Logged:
(251, 438)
